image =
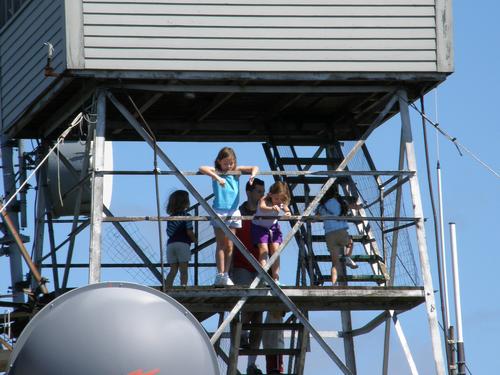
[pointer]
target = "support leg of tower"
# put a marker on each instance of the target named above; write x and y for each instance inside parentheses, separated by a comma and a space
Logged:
(422, 248)
(97, 191)
(9, 183)
(235, 347)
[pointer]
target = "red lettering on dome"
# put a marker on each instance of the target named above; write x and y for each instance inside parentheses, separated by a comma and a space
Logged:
(141, 372)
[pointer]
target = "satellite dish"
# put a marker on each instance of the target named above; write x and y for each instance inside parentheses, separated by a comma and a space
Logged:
(61, 179)
(113, 329)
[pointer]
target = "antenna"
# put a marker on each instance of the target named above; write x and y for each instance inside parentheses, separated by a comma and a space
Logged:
(458, 303)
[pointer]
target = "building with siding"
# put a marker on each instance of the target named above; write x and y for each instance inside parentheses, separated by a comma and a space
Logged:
(289, 73)
(350, 42)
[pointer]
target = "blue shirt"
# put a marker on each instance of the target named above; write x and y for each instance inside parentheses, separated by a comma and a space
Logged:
(227, 197)
(332, 208)
(177, 230)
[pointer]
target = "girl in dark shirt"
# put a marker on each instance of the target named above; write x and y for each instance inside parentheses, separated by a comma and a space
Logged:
(180, 235)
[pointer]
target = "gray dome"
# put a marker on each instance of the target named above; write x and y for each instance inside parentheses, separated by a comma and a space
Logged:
(113, 329)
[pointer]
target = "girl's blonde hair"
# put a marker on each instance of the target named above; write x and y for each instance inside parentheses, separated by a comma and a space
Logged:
(280, 187)
(225, 152)
(177, 202)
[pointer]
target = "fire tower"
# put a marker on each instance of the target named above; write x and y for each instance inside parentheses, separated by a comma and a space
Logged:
(309, 80)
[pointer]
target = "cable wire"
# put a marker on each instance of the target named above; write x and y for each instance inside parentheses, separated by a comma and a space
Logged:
(454, 140)
(63, 135)
(436, 230)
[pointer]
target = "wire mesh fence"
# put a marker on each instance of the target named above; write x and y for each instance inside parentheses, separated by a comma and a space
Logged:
(367, 188)
(117, 250)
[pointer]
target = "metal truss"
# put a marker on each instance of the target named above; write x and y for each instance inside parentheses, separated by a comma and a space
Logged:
(100, 214)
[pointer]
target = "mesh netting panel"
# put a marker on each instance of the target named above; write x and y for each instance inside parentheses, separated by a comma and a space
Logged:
(117, 250)
(406, 273)
(206, 255)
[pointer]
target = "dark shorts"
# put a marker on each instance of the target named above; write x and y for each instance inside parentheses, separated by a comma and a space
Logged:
(242, 276)
(266, 235)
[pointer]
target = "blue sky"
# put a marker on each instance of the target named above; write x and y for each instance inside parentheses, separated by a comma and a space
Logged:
(468, 110)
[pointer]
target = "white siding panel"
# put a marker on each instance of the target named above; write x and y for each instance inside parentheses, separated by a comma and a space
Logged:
(260, 44)
(307, 10)
(23, 55)
(264, 66)
(275, 2)
(229, 22)
(258, 35)
(255, 55)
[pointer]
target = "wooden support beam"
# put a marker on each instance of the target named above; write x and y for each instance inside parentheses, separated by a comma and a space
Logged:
(11, 227)
(371, 325)
(305, 172)
(97, 190)
(238, 244)
(394, 252)
(292, 218)
(303, 343)
(234, 350)
(277, 89)
(421, 240)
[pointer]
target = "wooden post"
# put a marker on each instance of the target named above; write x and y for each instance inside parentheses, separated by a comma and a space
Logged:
(301, 358)
(97, 191)
(394, 252)
(261, 270)
(196, 254)
(422, 245)
(15, 260)
(235, 347)
(11, 227)
(40, 208)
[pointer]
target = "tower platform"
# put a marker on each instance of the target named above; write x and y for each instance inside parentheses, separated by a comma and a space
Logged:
(209, 299)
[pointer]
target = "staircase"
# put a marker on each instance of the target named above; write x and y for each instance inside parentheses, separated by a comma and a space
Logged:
(295, 353)
(311, 241)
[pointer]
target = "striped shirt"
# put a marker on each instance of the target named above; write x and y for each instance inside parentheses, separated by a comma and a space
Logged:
(177, 230)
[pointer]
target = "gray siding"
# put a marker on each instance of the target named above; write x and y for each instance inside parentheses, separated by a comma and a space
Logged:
(261, 35)
(23, 55)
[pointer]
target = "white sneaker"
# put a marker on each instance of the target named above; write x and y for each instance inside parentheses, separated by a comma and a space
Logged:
(219, 280)
(278, 283)
(227, 280)
(350, 263)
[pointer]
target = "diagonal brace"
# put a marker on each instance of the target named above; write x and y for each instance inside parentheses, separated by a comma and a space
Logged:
(310, 209)
(262, 271)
